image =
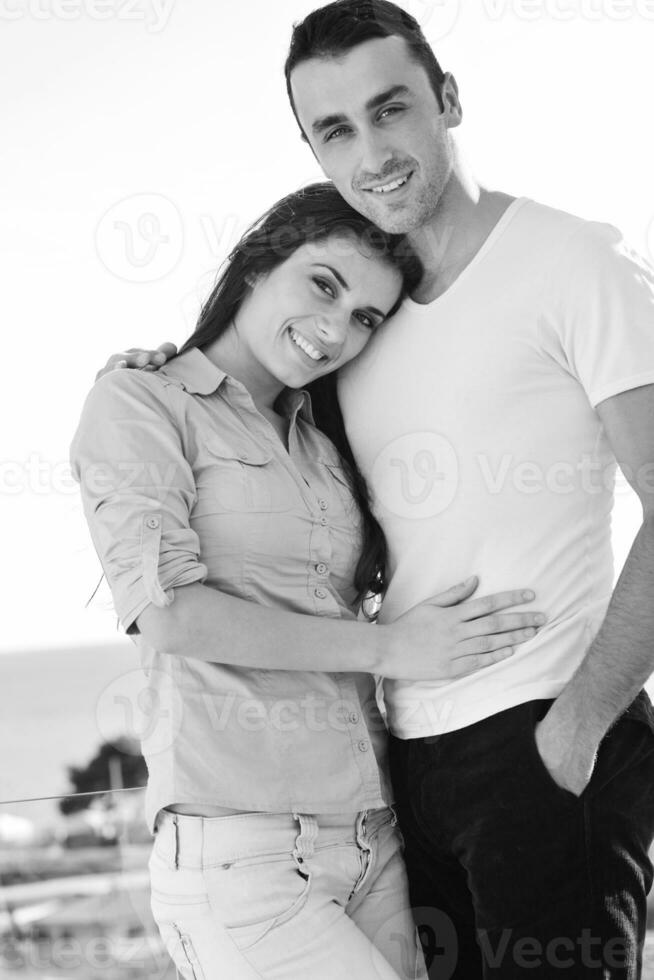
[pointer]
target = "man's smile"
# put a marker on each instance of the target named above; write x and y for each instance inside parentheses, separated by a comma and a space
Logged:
(390, 186)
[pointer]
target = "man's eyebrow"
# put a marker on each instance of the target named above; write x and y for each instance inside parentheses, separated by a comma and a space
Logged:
(326, 122)
(338, 118)
(391, 93)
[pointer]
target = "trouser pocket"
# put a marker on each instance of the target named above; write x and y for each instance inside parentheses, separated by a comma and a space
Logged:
(255, 896)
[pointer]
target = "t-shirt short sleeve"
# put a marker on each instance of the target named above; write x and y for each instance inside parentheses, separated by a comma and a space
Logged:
(599, 320)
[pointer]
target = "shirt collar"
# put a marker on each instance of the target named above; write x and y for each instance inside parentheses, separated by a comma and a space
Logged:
(200, 376)
(294, 402)
(195, 371)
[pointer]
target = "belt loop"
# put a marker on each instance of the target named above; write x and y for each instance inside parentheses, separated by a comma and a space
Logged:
(305, 840)
(175, 822)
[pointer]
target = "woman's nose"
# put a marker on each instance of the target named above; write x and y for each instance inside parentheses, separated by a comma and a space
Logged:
(332, 329)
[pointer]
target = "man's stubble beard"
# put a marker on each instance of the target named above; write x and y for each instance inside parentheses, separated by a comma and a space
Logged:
(418, 214)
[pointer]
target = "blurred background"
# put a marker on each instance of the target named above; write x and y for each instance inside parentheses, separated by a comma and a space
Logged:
(139, 138)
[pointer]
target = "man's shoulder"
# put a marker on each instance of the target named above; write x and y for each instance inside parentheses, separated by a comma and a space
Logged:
(567, 248)
(559, 226)
(565, 231)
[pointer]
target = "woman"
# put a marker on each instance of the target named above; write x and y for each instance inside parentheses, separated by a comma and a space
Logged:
(239, 544)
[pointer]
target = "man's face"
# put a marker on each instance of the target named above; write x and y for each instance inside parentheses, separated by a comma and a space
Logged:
(374, 123)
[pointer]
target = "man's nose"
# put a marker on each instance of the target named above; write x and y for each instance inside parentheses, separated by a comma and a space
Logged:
(375, 153)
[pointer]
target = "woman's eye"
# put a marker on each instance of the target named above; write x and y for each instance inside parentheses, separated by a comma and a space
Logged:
(366, 320)
(325, 286)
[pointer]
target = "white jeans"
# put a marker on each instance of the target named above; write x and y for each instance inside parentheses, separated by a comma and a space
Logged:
(284, 897)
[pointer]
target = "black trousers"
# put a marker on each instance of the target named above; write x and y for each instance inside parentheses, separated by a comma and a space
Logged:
(512, 876)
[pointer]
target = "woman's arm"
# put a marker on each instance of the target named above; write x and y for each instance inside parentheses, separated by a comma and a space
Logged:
(138, 490)
(441, 639)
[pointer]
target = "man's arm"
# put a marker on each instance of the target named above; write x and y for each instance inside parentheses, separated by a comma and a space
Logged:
(137, 357)
(621, 658)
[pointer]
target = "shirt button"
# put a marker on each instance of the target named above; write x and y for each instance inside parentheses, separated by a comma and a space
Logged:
(323, 521)
(321, 568)
(364, 746)
(322, 504)
(354, 717)
(152, 522)
(320, 593)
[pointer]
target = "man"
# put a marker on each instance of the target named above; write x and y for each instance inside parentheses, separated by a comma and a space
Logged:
(487, 417)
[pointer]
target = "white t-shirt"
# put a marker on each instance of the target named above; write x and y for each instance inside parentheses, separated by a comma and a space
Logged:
(472, 418)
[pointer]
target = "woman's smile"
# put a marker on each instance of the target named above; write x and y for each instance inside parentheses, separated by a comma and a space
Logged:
(308, 315)
(304, 346)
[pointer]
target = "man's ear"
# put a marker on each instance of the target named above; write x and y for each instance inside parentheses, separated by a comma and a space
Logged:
(451, 102)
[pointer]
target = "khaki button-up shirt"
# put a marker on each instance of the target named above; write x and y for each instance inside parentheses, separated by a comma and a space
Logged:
(183, 480)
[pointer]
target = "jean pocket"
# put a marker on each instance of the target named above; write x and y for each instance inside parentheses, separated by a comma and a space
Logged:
(255, 896)
(641, 710)
(540, 770)
(627, 747)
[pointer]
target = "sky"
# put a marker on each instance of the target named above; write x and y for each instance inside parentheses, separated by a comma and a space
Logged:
(140, 137)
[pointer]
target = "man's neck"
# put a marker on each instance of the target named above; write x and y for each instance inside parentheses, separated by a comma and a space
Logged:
(466, 215)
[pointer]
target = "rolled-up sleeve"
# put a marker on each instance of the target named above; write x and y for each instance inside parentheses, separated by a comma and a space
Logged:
(137, 490)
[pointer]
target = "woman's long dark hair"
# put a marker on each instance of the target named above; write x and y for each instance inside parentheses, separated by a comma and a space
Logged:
(311, 214)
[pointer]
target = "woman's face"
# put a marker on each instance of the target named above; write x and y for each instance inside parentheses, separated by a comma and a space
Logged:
(315, 311)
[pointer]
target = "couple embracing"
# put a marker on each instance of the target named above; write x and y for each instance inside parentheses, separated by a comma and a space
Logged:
(400, 381)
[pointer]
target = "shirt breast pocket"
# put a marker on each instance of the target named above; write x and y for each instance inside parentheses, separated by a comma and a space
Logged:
(245, 479)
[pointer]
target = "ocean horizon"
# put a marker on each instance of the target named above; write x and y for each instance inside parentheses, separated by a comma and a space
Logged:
(56, 707)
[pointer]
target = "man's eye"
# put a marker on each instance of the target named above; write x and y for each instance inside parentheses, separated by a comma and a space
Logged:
(391, 109)
(325, 286)
(334, 133)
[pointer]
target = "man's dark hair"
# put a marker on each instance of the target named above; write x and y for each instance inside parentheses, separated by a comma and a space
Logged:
(338, 27)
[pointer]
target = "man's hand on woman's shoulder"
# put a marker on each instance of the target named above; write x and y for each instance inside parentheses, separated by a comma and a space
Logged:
(137, 357)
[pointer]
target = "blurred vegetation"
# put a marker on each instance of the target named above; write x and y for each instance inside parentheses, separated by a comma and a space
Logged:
(96, 774)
